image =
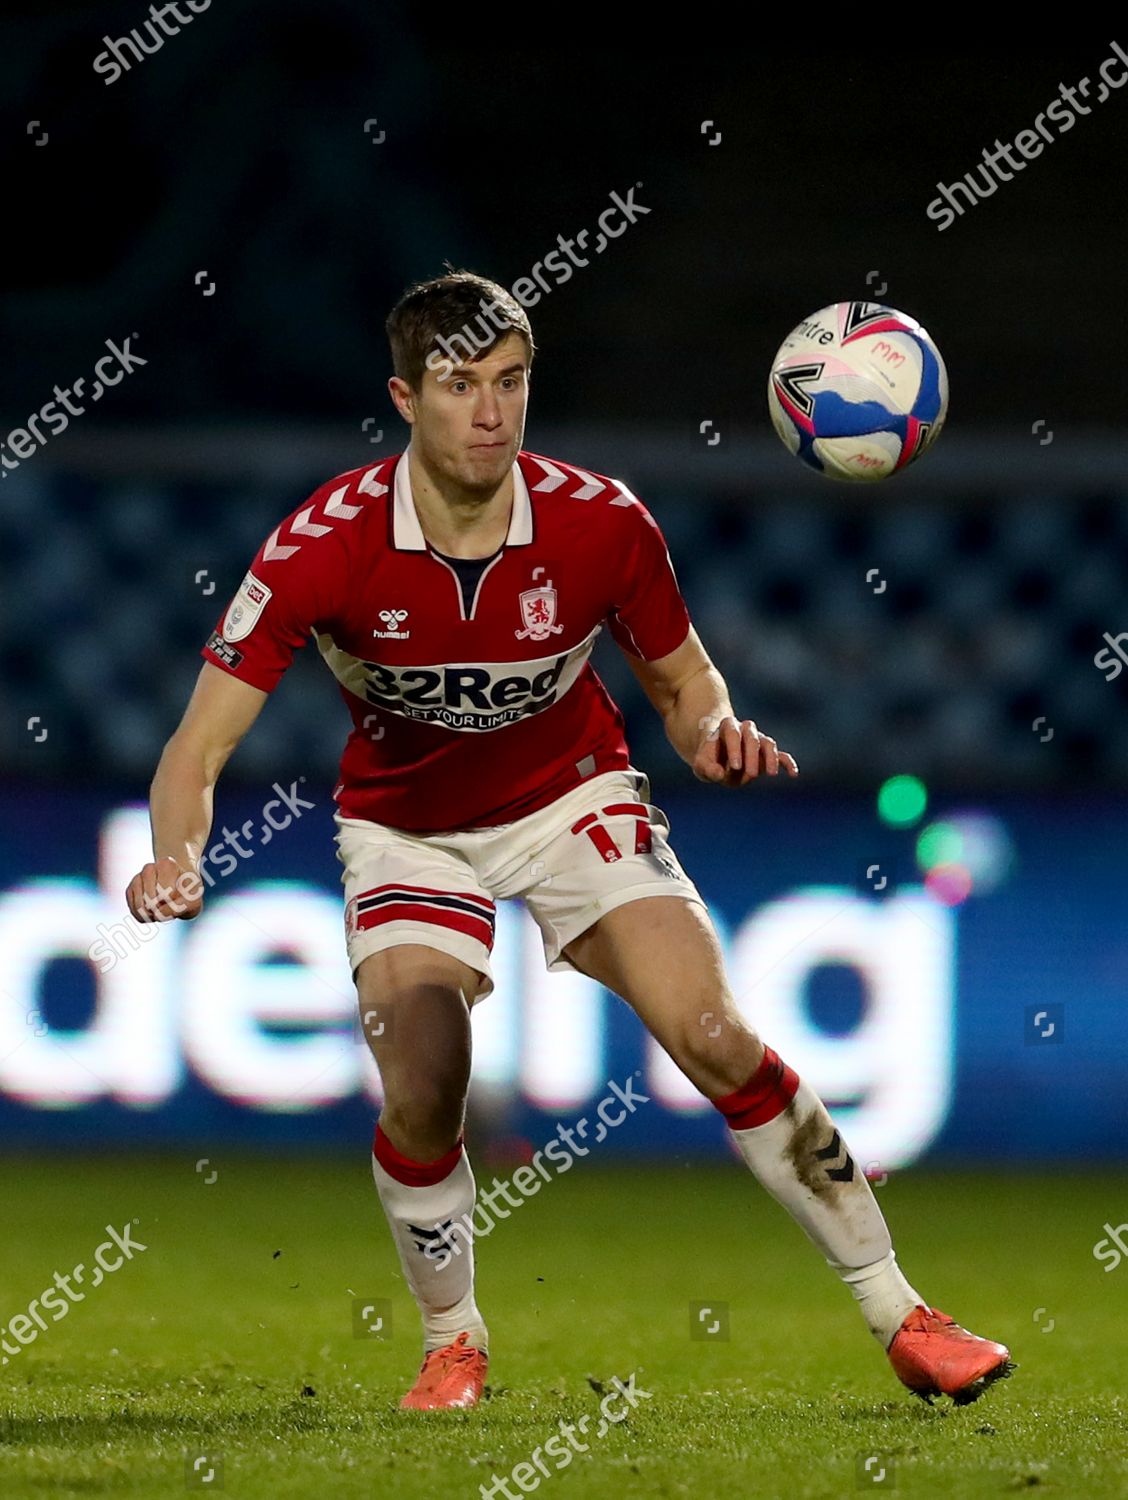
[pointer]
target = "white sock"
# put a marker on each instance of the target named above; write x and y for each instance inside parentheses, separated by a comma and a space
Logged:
(791, 1145)
(429, 1208)
(884, 1297)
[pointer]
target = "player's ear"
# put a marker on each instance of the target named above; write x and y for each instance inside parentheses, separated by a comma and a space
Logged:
(403, 398)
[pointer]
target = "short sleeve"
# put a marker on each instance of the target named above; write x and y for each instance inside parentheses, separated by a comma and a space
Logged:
(649, 618)
(291, 589)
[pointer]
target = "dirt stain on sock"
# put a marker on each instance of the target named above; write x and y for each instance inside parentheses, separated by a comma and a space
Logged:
(806, 1139)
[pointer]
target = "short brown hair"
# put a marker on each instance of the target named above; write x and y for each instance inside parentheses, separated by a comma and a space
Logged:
(434, 319)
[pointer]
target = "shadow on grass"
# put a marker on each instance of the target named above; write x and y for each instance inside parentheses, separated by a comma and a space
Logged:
(97, 1428)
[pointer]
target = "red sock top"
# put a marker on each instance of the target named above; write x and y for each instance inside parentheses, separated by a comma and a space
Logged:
(766, 1094)
(413, 1173)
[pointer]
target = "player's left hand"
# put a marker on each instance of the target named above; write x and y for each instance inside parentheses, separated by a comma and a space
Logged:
(735, 752)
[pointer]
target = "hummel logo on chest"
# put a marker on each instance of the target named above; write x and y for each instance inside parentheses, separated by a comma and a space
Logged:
(393, 619)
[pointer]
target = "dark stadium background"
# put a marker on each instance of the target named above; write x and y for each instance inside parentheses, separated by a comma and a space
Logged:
(238, 221)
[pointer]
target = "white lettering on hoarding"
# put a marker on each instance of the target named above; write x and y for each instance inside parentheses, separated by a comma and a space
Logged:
(255, 999)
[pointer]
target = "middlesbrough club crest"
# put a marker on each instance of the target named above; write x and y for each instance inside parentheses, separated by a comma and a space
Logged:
(538, 610)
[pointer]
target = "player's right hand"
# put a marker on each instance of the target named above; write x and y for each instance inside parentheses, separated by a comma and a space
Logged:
(164, 890)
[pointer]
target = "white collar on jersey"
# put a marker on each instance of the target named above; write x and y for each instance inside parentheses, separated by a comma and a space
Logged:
(407, 534)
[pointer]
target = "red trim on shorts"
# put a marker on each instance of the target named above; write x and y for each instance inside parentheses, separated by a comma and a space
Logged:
(413, 1173)
(766, 1094)
(601, 836)
(401, 911)
(425, 890)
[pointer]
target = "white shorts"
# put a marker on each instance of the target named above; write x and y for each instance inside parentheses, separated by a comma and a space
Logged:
(597, 847)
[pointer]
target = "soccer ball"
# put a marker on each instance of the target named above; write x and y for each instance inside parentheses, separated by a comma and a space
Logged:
(858, 390)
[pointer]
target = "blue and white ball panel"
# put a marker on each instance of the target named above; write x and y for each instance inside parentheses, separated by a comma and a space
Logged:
(849, 404)
(893, 362)
(873, 455)
(931, 404)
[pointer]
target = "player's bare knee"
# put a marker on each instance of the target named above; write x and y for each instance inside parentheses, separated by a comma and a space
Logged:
(411, 998)
(420, 1038)
(384, 975)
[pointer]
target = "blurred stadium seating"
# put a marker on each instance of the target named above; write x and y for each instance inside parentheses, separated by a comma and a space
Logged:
(987, 601)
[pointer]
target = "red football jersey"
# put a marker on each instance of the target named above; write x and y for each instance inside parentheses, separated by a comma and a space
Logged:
(471, 707)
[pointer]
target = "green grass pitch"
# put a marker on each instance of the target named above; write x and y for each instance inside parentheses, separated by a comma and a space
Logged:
(232, 1335)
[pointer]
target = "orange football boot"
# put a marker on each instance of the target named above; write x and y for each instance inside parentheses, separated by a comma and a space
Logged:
(452, 1376)
(934, 1356)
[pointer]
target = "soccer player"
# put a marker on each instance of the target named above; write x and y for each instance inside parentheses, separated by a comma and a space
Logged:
(455, 592)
